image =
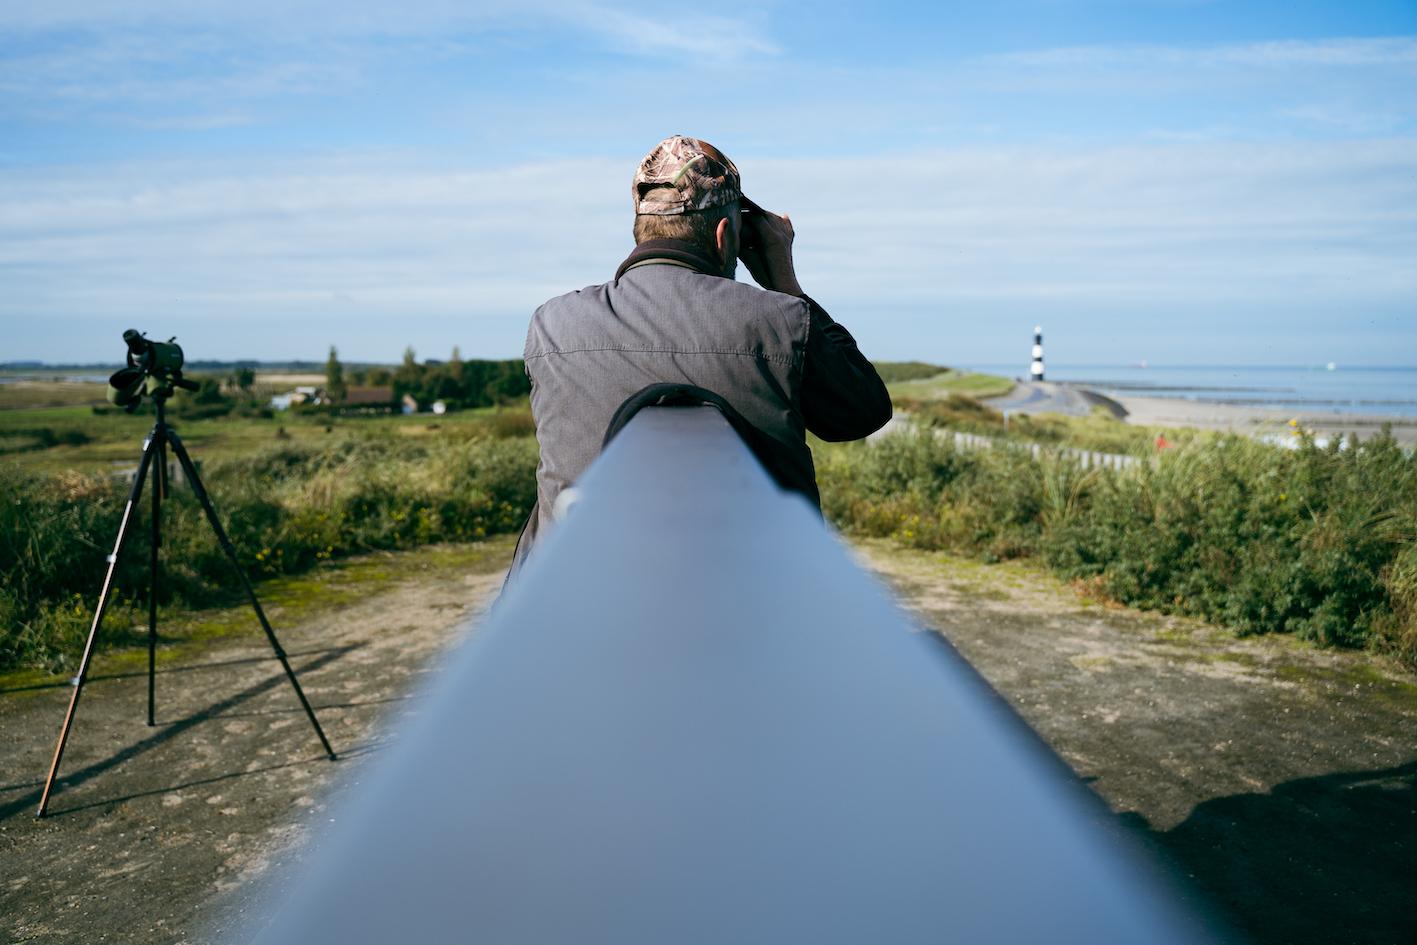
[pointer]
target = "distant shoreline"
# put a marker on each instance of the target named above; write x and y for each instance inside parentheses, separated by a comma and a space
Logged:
(1361, 392)
(1249, 419)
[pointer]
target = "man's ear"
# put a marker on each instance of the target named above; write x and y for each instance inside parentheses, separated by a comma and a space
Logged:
(722, 236)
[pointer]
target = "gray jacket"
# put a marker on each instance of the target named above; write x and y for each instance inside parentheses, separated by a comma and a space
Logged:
(779, 360)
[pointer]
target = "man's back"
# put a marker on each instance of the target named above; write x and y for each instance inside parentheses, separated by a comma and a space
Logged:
(588, 351)
(673, 314)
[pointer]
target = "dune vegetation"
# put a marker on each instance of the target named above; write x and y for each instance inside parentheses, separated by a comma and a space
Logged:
(287, 505)
(1314, 541)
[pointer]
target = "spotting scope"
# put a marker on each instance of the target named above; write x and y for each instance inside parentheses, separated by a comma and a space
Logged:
(153, 367)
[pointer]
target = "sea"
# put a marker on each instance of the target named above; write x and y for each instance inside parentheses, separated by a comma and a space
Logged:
(1325, 388)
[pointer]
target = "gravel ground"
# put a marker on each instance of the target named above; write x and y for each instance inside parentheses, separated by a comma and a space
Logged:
(156, 833)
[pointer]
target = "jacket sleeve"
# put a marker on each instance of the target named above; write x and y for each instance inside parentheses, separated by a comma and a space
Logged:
(843, 398)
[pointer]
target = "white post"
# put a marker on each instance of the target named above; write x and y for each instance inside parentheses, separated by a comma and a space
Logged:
(1035, 370)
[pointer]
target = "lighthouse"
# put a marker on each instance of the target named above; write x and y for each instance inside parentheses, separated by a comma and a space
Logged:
(1035, 370)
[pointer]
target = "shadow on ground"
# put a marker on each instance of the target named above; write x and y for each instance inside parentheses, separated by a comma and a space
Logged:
(1279, 778)
(159, 736)
(1325, 859)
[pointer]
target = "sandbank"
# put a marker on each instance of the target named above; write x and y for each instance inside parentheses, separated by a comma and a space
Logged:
(1238, 418)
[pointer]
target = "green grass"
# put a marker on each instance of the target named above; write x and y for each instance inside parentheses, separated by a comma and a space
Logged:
(1099, 432)
(941, 386)
(953, 400)
(894, 371)
(288, 505)
(287, 600)
(115, 439)
(1314, 542)
(19, 395)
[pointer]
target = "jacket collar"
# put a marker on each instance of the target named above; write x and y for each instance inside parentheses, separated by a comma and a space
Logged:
(674, 252)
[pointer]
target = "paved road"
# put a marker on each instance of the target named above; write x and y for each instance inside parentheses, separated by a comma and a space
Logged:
(1047, 397)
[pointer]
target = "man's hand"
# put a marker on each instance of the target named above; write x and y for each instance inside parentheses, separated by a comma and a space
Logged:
(765, 246)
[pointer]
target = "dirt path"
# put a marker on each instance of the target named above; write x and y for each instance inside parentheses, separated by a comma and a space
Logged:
(1283, 779)
(153, 829)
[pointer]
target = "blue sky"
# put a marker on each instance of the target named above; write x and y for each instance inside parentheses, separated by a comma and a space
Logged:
(1181, 182)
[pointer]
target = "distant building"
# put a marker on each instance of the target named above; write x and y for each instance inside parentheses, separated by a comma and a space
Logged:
(300, 395)
(360, 399)
(1035, 370)
(369, 397)
(367, 400)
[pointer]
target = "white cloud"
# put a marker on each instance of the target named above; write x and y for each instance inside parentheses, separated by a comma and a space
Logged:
(691, 32)
(292, 240)
(641, 29)
(1215, 228)
(1382, 51)
(1352, 120)
(330, 15)
(156, 64)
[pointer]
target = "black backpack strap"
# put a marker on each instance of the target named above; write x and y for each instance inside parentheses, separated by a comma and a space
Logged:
(668, 395)
(784, 466)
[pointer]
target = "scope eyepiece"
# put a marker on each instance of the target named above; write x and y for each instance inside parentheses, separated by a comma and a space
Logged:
(137, 344)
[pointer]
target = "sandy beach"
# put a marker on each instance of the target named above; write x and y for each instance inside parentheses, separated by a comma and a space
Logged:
(1173, 412)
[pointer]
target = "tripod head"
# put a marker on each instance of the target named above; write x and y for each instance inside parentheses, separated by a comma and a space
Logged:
(154, 369)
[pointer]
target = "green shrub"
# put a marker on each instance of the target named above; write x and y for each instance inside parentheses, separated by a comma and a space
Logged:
(19, 439)
(510, 422)
(1398, 633)
(957, 411)
(285, 509)
(1312, 541)
(893, 371)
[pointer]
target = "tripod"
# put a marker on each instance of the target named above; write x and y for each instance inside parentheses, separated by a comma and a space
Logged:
(155, 458)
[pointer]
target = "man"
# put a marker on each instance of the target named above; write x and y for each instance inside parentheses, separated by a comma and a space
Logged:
(674, 314)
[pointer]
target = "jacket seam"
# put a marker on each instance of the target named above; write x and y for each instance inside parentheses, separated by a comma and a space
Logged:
(797, 391)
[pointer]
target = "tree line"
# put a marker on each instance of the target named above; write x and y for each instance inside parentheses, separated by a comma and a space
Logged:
(456, 382)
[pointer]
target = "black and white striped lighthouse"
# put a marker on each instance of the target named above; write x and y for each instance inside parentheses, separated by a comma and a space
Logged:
(1035, 370)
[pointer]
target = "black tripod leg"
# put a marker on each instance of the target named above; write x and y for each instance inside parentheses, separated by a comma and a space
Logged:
(200, 491)
(159, 487)
(133, 496)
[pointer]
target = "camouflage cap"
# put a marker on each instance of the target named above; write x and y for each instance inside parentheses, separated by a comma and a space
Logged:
(682, 175)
